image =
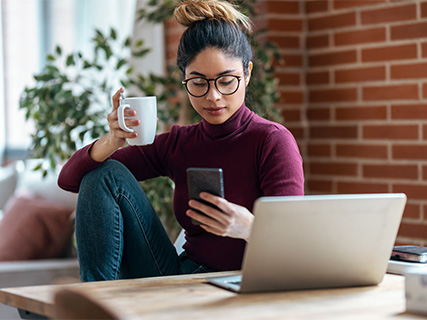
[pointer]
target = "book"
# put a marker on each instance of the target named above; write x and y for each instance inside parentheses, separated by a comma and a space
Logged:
(401, 267)
(410, 253)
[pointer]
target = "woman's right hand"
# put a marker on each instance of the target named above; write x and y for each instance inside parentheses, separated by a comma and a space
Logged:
(116, 137)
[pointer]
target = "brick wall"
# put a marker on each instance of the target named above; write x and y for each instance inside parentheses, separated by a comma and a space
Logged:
(354, 94)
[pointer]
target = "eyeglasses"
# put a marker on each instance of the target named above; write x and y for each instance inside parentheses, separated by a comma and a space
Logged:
(198, 86)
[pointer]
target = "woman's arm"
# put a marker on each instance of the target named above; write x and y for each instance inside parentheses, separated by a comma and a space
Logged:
(115, 139)
(93, 155)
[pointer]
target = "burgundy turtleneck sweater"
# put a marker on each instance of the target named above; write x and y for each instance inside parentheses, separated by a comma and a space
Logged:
(258, 158)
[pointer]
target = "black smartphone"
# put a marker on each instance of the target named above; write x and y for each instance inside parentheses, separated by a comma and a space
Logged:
(410, 253)
(204, 180)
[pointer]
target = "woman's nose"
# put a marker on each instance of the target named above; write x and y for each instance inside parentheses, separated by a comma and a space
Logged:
(213, 94)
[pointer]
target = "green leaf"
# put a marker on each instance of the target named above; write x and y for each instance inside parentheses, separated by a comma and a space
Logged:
(50, 57)
(113, 34)
(70, 60)
(140, 53)
(120, 63)
(139, 43)
(58, 50)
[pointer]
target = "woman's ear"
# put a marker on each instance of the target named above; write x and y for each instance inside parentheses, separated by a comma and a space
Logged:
(248, 77)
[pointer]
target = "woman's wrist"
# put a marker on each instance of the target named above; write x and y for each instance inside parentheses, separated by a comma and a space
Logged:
(103, 148)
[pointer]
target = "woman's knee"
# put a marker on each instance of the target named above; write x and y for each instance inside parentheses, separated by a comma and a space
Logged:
(109, 168)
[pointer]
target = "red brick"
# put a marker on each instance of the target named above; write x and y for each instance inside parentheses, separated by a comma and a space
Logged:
(322, 186)
(392, 92)
(424, 169)
(413, 230)
(409, 152)
(412, 211)
(334, 58)
(344, 4)
(424, 132)
(409, 31)
(291, 96)
(333, 132)
(333, 168)
(424, 49)
(319, 150)
(409, 71)
(424, 9)
(390, 171)
(173, 39)
(364, 151)
(361, 113)
(275, 24)
(393, 132)
(319, 41)
(293, 60)
(332, 21)
(297, 131)
(291, 115)
(314, 114)
(409, 112)
(360, 74)
(360, 36)
(413, 191)
(425, 90)
(361, 187)
(316, 6)
(313, 78)
(333, 95)
(286, 7)
(288, 78)
(401, 52)
(286, 42)
(392, 14)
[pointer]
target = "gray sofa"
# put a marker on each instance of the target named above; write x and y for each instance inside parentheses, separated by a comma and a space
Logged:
(17, 179)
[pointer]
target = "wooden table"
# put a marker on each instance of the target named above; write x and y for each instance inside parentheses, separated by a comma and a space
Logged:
(190, 297)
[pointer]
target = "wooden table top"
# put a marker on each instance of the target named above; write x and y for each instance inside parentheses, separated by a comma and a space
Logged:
(190, 297)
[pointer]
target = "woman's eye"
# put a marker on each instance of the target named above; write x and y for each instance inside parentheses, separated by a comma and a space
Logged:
(225, 83)
(199, 84)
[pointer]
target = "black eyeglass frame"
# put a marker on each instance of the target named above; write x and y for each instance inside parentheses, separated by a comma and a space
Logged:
(239, 78)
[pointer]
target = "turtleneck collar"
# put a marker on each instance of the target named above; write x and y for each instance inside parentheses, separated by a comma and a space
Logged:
(236, 121)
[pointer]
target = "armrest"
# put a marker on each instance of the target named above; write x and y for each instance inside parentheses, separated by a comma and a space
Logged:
(37, 272)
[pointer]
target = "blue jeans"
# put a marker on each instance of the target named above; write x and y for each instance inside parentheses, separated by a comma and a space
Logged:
(119, 235)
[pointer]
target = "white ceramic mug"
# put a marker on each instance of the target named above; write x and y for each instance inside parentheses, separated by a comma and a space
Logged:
(146, 113)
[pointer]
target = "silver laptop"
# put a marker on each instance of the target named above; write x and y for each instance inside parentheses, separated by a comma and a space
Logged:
(312, 242)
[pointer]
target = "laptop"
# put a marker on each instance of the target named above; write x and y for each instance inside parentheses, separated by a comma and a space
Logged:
(314, 242)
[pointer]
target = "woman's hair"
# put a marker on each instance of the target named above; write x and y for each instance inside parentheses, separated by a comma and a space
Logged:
(212, 24)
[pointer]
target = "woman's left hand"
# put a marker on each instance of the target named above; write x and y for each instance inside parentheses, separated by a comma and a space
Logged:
(233, 221)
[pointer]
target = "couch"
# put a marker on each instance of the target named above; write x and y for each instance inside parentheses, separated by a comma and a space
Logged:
(36, 230)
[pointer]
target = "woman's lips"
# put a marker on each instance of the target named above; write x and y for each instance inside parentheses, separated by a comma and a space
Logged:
(215, 110)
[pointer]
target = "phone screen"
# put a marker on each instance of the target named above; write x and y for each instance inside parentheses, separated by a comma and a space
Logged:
(204, 180)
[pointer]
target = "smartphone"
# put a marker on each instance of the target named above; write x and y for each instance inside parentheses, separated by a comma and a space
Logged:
(410, 253)
(204, 180)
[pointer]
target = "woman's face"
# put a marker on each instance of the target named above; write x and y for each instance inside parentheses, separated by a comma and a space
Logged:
(215, 107)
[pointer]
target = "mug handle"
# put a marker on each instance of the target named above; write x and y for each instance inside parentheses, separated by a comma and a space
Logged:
(121, 116)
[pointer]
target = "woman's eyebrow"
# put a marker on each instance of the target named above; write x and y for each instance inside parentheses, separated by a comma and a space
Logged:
(219, 74)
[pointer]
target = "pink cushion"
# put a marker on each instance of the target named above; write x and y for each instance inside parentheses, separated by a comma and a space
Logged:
(34, 228)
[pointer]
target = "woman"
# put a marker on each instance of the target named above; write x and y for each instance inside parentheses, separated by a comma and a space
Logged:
(118, 232)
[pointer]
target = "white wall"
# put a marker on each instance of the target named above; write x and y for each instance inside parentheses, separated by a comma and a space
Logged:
(2, 100)
(154, 61)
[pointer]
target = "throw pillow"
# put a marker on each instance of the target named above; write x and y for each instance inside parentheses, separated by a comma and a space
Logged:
(34, 228)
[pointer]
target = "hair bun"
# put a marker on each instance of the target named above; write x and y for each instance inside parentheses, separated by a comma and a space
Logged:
(191, 11)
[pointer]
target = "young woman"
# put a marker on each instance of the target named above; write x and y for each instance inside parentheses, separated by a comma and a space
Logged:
(118, 233)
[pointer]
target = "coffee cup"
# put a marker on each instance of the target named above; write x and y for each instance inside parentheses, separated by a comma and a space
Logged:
(146, 113)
